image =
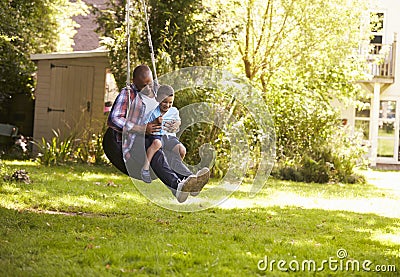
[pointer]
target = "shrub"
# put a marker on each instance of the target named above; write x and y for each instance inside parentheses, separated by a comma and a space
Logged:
(90, 150)
(56, 151)
(334, 161)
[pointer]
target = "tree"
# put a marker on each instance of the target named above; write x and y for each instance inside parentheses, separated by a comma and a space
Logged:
(30, 27)
(112, 31)
(189, 33)
(184, 33)
(302, 57)
(297, 54)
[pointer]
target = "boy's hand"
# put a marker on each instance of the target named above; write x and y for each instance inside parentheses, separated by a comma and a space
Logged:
(172, 126)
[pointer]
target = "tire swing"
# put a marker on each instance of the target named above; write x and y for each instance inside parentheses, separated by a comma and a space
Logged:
(111, 148)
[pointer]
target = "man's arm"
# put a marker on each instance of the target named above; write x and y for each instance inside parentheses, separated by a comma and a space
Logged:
(149, 128)
(117, 116)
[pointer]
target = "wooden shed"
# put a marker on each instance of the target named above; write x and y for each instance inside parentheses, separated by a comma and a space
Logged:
(70, 93)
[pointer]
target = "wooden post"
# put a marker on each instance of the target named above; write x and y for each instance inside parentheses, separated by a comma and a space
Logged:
(374, 123)
(394, 47)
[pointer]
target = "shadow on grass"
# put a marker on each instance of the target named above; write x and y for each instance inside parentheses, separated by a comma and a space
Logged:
(215, 242)
(109, 228)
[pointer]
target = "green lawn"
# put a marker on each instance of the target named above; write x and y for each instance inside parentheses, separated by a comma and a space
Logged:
(92, 221)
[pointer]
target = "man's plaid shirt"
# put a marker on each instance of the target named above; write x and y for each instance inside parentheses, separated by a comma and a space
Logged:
(122, 123)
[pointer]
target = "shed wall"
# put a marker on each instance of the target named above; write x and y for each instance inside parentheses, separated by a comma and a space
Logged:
(57, 86)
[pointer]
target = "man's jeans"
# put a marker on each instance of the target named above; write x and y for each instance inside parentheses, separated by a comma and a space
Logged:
(168, 166)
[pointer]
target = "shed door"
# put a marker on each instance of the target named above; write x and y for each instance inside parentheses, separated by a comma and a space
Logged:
(70, 98)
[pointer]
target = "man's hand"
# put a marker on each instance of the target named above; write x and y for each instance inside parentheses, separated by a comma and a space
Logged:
(154, 126)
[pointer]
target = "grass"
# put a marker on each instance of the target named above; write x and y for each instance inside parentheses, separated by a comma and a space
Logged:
(386, 143)
(92, 221)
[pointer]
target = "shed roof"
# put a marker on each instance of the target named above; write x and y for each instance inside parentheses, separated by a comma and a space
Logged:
(70, 55)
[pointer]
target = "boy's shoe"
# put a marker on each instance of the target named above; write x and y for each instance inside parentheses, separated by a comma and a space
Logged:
(184, 187)
(146, 177)
(203, 175)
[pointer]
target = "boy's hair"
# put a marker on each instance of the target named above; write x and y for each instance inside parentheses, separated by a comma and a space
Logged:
(164, 91)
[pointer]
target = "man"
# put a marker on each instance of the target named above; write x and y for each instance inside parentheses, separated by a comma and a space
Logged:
(123, 141)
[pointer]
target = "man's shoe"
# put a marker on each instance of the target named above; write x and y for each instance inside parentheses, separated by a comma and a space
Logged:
(203, 175)
(184, 187)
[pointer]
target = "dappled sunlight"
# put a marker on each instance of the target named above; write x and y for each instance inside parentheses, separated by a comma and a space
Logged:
(388, 235)
(160, 195)
(96, 190)
(229, 187)
(213, 238)
(389, 180)
(132, 197)
(387, 239)
(234, 203)
(90, 176)
(78, 203)
(9, 189)
(77, 200)
(20, 163)
(384, 197)
(370, 222)
(19, 198)
(380, 206)
(304, 243)
(42, 200)
(13, 205)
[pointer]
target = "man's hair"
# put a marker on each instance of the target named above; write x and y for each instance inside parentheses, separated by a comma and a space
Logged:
(164, 91)
(141, 70)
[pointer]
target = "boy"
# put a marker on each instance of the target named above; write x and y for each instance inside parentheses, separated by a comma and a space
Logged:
(165, 114)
